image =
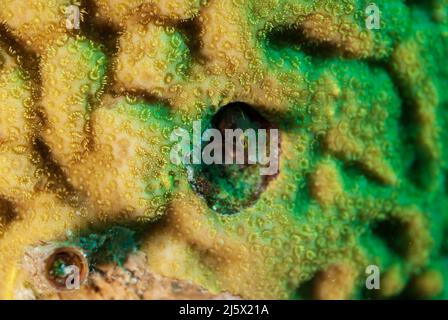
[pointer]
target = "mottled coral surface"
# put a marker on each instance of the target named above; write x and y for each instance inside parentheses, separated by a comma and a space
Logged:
(86, 117)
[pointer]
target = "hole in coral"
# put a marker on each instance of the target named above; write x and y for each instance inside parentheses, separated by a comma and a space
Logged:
(392, 232)
(305, 290)
(66, 268)
(229, 188)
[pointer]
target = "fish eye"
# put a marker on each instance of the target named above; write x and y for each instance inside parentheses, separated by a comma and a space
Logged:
(231, 185)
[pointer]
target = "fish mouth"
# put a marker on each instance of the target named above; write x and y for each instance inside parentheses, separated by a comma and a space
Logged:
(70, 271)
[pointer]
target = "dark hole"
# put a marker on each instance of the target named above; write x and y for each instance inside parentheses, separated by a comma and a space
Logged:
(62, 264)
(391, 232)
(305, 290)
(87, 250)
(229, 188)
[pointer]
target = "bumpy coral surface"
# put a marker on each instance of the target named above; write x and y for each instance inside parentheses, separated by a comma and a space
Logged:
(86, 117)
